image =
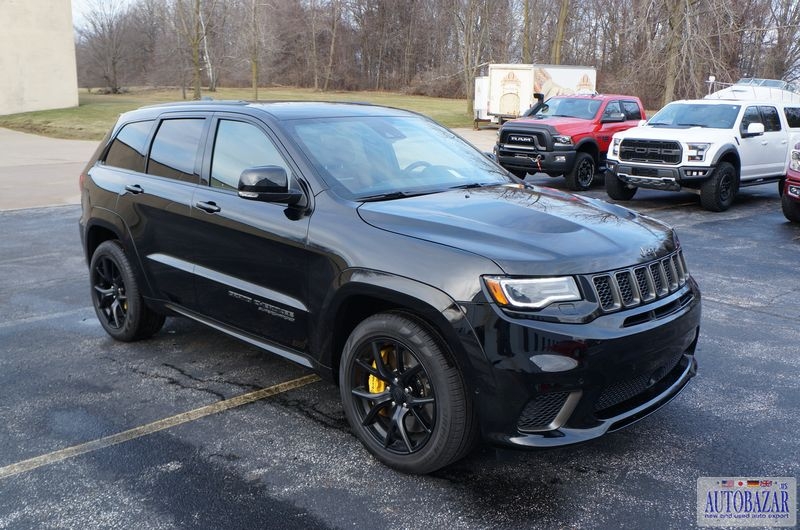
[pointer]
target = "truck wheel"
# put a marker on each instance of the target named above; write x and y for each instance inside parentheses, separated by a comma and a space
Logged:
(618, 190)
(404, 398)
(781, 186)
(791, 208)
(717, 193)
(582, 174)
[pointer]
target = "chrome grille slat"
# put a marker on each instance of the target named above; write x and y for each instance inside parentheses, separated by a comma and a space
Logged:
(634, 286)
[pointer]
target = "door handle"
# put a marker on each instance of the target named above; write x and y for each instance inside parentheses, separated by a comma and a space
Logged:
(208, 207)
(134, 188)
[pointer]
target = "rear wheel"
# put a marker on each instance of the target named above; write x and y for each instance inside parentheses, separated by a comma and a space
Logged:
(791, 208)
(116, 297)
(405, 400)
(582, 174)
(618, 190)
(718, 192)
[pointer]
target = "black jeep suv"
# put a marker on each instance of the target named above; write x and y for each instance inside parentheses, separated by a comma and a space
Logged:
(449, 299)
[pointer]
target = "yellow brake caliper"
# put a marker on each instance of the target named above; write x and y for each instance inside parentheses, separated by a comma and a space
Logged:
(377, 386)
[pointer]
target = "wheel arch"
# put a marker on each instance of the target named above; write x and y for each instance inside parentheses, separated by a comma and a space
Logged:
(589, 145)
(363, 293)
(731, 155)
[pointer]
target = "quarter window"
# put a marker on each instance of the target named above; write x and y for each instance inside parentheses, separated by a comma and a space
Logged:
(238, 146)
(129, 148)
(174, 150)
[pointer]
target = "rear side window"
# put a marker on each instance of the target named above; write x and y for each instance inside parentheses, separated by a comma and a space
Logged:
(771, 120)
(239, 146)
(174, 150)
(631, 110)
(129, 148)
(792, 116)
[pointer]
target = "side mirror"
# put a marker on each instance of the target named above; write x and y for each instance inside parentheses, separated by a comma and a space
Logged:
(754, 129)
(268, 184)
(614, 117)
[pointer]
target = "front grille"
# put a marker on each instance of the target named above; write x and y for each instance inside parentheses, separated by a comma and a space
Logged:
(639, 285)
(630, 388)
(527, 141)
(541, 411)
(653, 151)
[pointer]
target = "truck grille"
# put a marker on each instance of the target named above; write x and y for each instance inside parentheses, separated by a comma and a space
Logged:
(626, 288)
(653, 151)
(527, 141)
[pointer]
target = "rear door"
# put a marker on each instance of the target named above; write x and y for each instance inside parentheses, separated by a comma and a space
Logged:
(155, 199)
(251, 256)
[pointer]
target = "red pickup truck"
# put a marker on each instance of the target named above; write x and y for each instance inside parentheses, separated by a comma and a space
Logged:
(566, 135)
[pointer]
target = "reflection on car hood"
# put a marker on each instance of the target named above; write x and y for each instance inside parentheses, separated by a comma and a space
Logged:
(527, 231)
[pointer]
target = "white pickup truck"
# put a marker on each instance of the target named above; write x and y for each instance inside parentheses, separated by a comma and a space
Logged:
(710, 145)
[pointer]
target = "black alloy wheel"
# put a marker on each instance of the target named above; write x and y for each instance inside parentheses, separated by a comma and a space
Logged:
(116, 297)
(791, 208)
(404, 399)
(582, 175)
(718, 192)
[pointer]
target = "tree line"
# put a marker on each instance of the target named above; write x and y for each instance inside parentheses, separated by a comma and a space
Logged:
(659, 50)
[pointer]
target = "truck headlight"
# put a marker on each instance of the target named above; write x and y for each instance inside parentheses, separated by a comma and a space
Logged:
(794, 160)
(615, 146)
(697, 151)
(562, 140)
(531, 293)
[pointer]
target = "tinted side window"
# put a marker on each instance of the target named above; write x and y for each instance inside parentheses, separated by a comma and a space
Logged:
(792, 116)
(751, 115)
(238, 146)
(771, 120)
(631, 110)
(611, 108)
(175, 149)
(128, 149)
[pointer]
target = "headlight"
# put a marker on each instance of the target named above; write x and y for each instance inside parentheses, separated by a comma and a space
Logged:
(562, 140)
(697, 151)
(615, 146)
(794, 160)
(531, 293)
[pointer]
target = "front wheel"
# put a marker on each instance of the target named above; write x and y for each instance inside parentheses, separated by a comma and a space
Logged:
(116, 297)
(582, 174)
(718, 192)
(618, 190)
(404, 398)
(791, 208)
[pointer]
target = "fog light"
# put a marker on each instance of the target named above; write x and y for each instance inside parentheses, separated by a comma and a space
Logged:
(554, 363)
(560, 158)
(794, 191)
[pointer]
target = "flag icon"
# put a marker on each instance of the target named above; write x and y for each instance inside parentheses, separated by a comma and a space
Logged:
(727, 483)
(766, 483)
(741, 483)
(753, 483)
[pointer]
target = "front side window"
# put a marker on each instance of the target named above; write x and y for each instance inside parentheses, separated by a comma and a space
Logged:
(129, 148)
(631, 110)
(238, 146)
(770, 117)
(174, 150)
(751, 115)
(611, 108)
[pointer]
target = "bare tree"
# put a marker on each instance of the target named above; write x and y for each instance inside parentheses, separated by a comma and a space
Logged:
(105, 38)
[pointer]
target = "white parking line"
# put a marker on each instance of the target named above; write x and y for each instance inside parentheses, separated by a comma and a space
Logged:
(150, 428)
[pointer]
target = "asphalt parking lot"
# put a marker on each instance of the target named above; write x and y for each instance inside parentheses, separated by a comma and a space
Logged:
(191, 428)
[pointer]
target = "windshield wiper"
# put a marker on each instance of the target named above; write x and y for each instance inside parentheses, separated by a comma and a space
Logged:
(470, 186)
(391, 196)
(691, 125)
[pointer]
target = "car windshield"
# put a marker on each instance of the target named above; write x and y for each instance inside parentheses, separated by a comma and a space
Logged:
(682, 115)
(582, 108)
(387, 157)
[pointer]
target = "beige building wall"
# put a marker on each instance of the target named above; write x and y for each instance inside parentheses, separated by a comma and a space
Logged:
(37, 56)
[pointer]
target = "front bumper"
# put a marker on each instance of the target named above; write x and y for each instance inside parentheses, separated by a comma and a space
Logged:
(658, 177)
(553, 163)
(621, 372)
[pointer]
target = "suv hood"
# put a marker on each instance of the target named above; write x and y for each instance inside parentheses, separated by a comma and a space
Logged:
(526, 231)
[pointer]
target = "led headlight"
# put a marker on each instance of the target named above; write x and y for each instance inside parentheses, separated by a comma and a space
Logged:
(531, 293)
(615, 146)
(794, 160)
(697, 151)
(562, 140)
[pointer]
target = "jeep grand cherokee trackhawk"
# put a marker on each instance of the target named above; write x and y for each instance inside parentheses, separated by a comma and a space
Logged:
(447, 298)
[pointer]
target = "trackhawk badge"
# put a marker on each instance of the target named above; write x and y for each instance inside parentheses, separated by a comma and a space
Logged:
(648, 252)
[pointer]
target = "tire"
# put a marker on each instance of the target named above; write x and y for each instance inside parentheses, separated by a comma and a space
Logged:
(519, 173)
(404, 398)
(781, 186)
(618, 190)
(718, 192)
(791, 208)
(116, 297)
(582, 174)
